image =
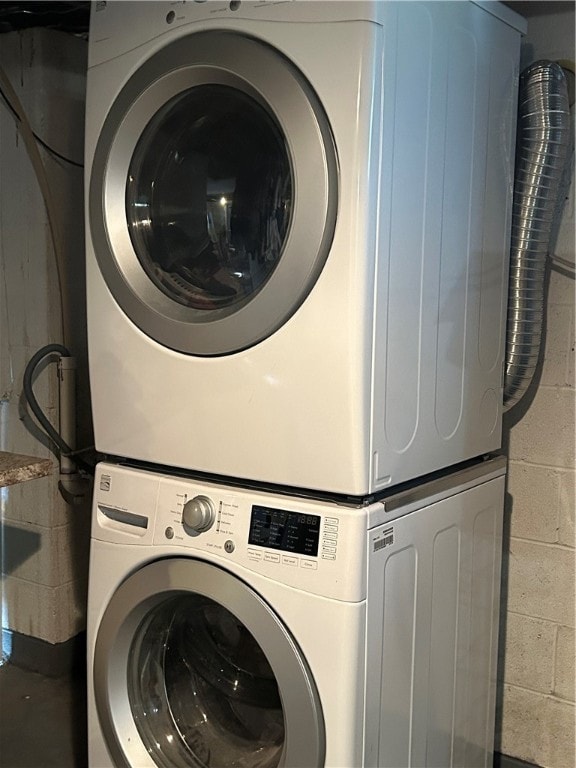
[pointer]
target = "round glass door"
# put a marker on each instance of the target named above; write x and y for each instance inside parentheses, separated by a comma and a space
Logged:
(209, 198)
(193, 669)
(213, 193)
(201, 690)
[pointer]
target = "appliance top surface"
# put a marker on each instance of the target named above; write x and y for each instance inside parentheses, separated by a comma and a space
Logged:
(119, 27)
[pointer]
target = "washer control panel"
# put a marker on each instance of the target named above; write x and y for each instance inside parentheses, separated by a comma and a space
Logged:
(309, 544)
(294, 537)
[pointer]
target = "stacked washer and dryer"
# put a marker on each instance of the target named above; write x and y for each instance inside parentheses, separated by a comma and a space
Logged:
(298, 219)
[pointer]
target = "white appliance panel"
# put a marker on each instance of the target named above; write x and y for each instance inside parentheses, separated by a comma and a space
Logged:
(391, 367)
(440, 305)
(403, 663)
(432, 634)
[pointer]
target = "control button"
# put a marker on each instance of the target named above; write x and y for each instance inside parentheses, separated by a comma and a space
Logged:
(255, 554)
(310, 564)
(328, 557)
(331, 520)
(333, 536)
(328, 549)
(229, 546)
(198, 515)
(169, 533)
(329, 543)
(331, 528)
(289, 560)
(271, 557)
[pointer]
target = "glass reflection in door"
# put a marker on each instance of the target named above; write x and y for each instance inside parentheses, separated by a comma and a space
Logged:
(201, 691)
(209, 197)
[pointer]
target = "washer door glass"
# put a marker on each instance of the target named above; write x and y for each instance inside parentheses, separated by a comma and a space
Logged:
(194, 669)
(213, 193)
(201, 690)
(209, 197)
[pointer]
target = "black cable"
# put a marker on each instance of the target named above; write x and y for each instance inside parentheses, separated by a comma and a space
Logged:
(63, 448)
(38, 139)
(50, 349)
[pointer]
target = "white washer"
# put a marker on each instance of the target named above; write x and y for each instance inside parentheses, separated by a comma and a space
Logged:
(231, 627)
(298, 235)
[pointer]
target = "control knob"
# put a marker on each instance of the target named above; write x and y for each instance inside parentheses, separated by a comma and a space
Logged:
(198, 514)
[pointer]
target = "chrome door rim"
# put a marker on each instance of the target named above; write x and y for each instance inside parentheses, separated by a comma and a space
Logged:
(256, 69)
(153, 584)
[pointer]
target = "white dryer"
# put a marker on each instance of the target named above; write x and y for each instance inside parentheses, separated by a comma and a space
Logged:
(298, 225)
(234, 628)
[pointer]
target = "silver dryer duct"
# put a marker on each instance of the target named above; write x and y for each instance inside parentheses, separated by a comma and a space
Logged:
(543, 141)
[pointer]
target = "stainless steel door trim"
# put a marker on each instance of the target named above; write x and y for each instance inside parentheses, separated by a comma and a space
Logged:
(256, 69)
(153, 584)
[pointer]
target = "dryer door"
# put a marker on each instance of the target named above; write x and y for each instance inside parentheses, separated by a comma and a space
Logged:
(213, 193)
(193, 668)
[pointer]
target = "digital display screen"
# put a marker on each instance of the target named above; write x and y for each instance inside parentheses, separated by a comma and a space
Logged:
(289, 531)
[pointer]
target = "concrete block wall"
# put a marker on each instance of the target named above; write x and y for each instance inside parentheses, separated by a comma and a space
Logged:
(537, 714)
(44, 541)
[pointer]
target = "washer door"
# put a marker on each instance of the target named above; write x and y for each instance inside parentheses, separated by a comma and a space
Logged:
(213, 193)
(193, 668)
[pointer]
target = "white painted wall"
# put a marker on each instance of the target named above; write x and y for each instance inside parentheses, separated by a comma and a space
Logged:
(44, 541)
(537, 669)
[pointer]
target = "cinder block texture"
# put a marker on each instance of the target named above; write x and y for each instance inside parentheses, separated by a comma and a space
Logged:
(561, 288)
(48, 556)
(566, 532)
(565, 655)
(541, 581)
(537, 728)
(54, 614)
(558, 370)
(38, 502)
(529, 652)
(535, 499)
(546, 433)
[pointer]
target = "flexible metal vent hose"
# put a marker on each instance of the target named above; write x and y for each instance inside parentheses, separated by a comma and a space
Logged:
(543, 140)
